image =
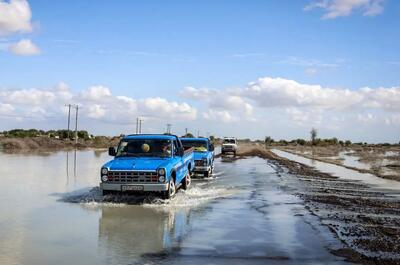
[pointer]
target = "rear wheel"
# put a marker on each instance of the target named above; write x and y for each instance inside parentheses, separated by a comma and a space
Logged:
(168, 194)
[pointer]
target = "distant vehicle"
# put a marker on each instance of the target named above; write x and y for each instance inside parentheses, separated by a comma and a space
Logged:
(229, 145)
(203, 154)
(148, 163)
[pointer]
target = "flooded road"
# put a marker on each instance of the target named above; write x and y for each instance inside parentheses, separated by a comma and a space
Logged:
(52, 213)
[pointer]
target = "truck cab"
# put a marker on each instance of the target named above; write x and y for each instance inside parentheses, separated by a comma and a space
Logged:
(148, 163)
(203, 154)
(229, 145)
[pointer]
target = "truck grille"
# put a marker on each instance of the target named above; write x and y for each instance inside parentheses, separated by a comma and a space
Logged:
(132, 176)
(198, 163)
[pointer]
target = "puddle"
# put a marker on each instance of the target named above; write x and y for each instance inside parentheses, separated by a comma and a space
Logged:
(343, 172)
(352, 161)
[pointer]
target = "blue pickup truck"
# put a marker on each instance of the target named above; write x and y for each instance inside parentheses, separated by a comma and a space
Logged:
(203, 154)
(148, 163)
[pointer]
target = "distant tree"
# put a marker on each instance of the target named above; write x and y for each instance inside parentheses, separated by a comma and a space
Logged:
(283, 142)
(301, 141)
(313, 134)
(268, 140)
(347, 142)
(212, 138)
(189, 135)
(83, 135)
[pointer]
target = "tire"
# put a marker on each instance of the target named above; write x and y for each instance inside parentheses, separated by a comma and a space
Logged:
(168, 194)
(186, 181)
(234, 153)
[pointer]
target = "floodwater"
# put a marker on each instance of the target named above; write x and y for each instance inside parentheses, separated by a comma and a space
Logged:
(352, 161)
(390, 186)
(52, 213)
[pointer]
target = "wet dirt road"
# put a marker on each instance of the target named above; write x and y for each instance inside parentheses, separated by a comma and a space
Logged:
(245, 214)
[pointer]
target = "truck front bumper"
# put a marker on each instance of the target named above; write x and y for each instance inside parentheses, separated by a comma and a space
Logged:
(228, 150)
(201, 169)
(146, 186)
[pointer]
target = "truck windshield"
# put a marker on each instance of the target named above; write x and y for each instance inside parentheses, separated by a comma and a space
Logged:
(145, 147)
(229, 141)
(199, 146)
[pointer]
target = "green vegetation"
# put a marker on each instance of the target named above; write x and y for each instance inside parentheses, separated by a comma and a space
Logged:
(60, 134)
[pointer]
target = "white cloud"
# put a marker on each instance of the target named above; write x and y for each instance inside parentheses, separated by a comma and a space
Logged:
(220, 116)
(35, 97)
(281, 101)
(95, 102)
(15, 16)
(220, 101)
(340, 8)
(24, 47)
(96, 93)
(6, 108)
(279, 92)
(366, 117)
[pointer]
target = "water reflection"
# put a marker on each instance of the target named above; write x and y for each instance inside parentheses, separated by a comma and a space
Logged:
(128, 233)
(68, 166)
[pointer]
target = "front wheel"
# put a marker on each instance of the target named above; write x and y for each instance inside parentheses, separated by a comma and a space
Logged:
(186, 181)
(168, 194)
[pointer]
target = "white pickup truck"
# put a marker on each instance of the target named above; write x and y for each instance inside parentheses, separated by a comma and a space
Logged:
(229, 145)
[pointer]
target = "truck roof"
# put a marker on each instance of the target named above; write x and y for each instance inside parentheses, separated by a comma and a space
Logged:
(194, 139)
(150, 136)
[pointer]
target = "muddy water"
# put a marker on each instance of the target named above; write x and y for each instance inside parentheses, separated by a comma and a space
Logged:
(388, 185)
(52, 213)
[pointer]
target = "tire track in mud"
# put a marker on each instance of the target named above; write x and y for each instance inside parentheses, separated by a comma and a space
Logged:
(365, 220)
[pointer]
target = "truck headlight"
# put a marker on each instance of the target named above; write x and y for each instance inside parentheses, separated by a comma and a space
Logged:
(205, 161)
(104, 178)
(161, 179)
(161, 172)
(104, 171)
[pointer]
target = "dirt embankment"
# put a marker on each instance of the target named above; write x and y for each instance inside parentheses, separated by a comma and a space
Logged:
(9, 144)
(366, 221)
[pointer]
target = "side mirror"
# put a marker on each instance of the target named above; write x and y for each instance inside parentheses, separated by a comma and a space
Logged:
(111, 151)
(211, 147)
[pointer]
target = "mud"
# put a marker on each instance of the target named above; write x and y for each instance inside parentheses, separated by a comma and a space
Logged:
(365, 220)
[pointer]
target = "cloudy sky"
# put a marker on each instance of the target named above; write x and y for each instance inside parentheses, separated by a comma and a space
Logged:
(238, 68)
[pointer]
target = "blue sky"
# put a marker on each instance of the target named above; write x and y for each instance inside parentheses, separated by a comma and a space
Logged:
(150, 49)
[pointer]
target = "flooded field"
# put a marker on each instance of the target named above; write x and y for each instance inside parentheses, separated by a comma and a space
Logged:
(382, 161)
(52, 213)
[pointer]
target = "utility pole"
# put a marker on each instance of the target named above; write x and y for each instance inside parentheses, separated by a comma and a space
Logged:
(69, 117)
(186, 130)
(76, 124)
(137, 125)
(140, 125)
(169, 128)
(198, 133)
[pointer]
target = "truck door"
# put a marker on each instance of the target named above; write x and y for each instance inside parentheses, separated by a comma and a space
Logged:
(179, 164)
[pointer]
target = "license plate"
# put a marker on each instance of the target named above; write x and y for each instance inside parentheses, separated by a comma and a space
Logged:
(131, 188)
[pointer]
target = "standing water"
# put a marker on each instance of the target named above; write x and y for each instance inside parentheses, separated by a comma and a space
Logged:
(52, 213)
